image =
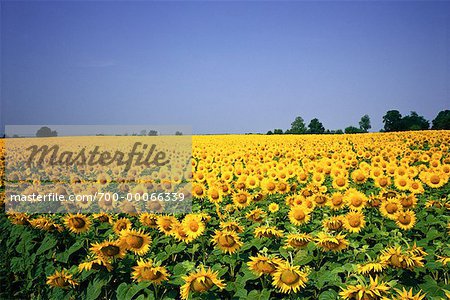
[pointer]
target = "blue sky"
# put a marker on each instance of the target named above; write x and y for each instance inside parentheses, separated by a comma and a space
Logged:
(222, 67)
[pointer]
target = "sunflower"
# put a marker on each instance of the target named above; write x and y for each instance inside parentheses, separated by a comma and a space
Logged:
(405, 219)
(396, 257)
(359, 176)
(261, 264)
(354, 221)
(94, 263)
(328, 242)
(355, 200)
(107, 250)
(135, 240)
(19, 218)
(407, 201)
(166, 224)
(121, 224)
(334, 223)
(77, 223)
(227, 241)
(390, 207)
(408, 295)
(269, 186)
(288, 278)
(61, 279)
(215, 194)
(401, 183)
(268, 232)
(102, 217)
(256, 215)
(436, 180)
(193, 225)
(149, 220)
(198, 190)
(320, 199)
(252, 182)
(382, 182)
(146, 270)
(443, 259)
(340, 182)
(180, 234)
(242, 199)
(273, 207)
(373, 290)
(299, 215)
(297, 240)
(231, 226)
(336, 201)
(371, 267)
(200, 281)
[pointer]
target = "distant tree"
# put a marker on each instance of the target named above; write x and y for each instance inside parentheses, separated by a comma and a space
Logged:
(414, 122)
(392, 121)
(315, 126)
(278, 131)
(353, 129)
(178, 133)
(143, 132)
(339, 131)
(15, 136)
(269, 132)
(364, 124)
(46, 132)
(298, 126)
(152, 133)
(442, 120)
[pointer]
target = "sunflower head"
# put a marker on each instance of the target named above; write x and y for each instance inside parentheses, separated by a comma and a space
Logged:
(77, 223)
(227, 241)
(61, 279)
(200, 281)
(147, 270)
(135, 240)
(262, 264)
(288, 278)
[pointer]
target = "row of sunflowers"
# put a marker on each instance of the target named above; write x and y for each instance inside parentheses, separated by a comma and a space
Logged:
(363, 216)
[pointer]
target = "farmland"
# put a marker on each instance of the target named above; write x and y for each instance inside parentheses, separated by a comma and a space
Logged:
(363, 216)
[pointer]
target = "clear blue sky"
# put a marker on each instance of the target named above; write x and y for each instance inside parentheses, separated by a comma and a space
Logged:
(222, 67)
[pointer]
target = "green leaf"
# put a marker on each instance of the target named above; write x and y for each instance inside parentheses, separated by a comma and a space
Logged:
(48, 243)
(328, 295)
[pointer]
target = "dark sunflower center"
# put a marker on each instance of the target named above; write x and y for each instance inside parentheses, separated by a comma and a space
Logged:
(110, 250)
(135, 241)
(78, 222)
(265, 267)
(404, 219)
(391, 208)
(227, 241)
(289, 277)
(201, 284)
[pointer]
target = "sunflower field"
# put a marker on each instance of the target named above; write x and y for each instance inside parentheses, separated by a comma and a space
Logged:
(364, 216)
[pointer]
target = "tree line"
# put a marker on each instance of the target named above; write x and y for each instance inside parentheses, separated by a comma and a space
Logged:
(392, 120)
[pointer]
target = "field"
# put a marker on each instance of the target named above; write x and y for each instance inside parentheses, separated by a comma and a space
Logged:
(364, 216)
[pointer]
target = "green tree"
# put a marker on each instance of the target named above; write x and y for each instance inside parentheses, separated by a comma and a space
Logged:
(392, 121)
(442, 120)
(278, 131)
(269, 132)
(353, 129)
(364, 124)
(414, 122)
(315, 126)
(298, 126)
(46, 132)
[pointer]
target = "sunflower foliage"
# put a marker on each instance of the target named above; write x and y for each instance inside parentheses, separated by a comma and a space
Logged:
(273, 217)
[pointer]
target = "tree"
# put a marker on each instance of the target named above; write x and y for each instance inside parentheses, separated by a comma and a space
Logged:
(414, 122)
(392, 121)
(278, 131)
(364, 124)
(178, 133)
(46, 132)
(353, 129)
(442, 120)
(269, 132)
(143, 132)
(298, 126)
(152, 133)
(339, 131)
(315, 126)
